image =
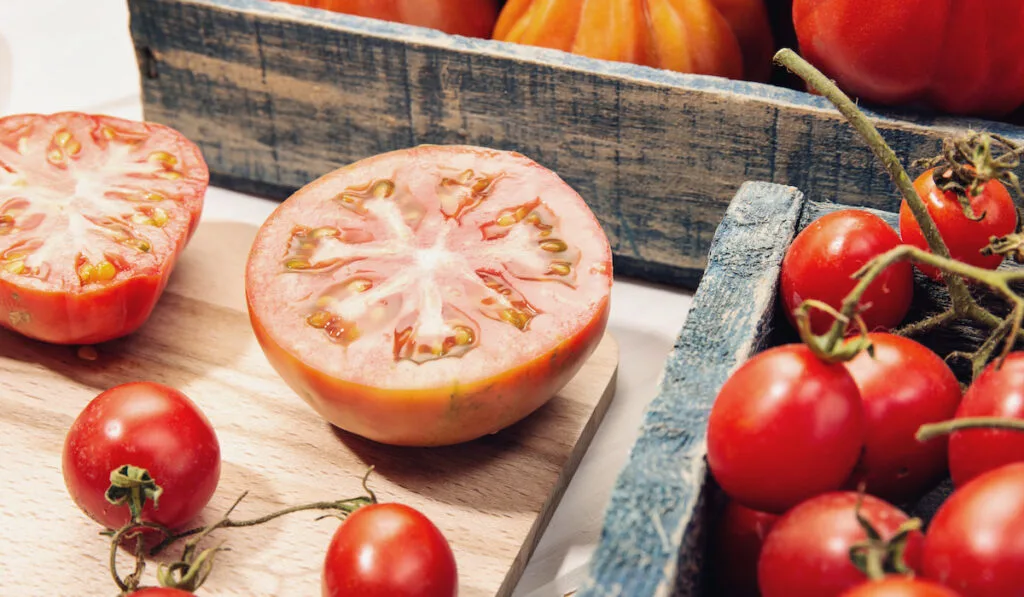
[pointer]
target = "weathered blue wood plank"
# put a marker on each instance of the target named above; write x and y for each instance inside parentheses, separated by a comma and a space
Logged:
(650, 542)
(276, 95)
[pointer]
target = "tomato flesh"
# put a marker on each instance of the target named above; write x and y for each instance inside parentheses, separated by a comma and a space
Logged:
(387, 550)
(997, 392)
(94, 212)
(975, 541)
(432, 295)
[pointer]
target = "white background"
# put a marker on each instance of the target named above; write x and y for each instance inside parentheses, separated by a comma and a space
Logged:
(77, 55)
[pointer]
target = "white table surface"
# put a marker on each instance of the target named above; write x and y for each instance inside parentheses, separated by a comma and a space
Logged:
(77, 55)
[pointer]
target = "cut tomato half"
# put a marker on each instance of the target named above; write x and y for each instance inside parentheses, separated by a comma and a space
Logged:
(431, 295)
(94, 211)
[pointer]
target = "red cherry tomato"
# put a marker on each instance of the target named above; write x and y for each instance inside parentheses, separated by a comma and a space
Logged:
(94, 212)
(903, 387)
(822, 258)
(151, 426)
(899, 586)
(899, 52)
(975, 542)
(964, 238)
(784, 427)
(735, 548)
(432, 295)
(997, 392)
(387, 550)
(472, 18)
(807, 552)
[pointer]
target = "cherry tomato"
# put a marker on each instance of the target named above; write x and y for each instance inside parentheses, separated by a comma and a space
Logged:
(471, 18)
(975, 542)
(807, 552)
(430, 296)
(735, 548)
(784, 427)
(997, 392)
(964, 238)
(900, 586)
(387, 550)
(903, 387)
(822, 258)
(899, 52)
(150, 426)
(161, 592)
(734, 39)
(94, 212)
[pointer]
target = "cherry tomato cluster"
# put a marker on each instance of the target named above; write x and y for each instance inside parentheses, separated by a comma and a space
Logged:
(820, 455)
(152, 438)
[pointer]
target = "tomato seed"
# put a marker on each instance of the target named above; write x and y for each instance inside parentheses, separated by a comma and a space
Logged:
(62, 138)
(15, 267)
(560, 268)
(73, 147)
(169, 174)
(463, 335)
(108, 132)
(319, 320)
(515, 317)
(55, 156)
(160, 217)
(554, 246)
(105, 271)
(6, 224)
(360, 285)
(297, 263)
(383, 189)
(163, 157)
(326, 231)
(85, 273)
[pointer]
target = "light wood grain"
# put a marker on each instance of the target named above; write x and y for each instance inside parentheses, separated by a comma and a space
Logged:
(491, 497)
(276, 95)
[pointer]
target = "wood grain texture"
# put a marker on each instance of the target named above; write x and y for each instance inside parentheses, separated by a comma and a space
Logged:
(491, 498)
(651, 539)
(276, 95)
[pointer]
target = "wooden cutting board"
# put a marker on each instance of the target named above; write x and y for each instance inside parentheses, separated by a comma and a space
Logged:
(492, 498)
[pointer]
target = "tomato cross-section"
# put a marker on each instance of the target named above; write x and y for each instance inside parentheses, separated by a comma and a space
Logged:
(94, 212)
(432, 295)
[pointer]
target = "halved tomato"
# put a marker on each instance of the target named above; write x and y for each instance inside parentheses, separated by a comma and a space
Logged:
(431, 295)
(94, 212)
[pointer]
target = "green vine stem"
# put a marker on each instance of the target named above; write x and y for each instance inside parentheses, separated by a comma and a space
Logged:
(963, 305)
(933, 430)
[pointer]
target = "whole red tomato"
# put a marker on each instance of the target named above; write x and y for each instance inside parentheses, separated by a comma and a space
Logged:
(997, 392)
(960, 56)
(94, 212)
(900, 586)
(431, 295)
(728, 38)
(975, 542)
(386, 550)
(964, 237)
(735, 549)
(822, 258)
(905, 385)
(784, 427)
(471, 18)
(807, 552)
(150, 426)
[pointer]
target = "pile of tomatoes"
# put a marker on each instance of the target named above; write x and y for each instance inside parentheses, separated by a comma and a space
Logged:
(819, 457)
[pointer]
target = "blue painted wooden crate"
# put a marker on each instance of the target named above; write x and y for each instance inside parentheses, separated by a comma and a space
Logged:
(276, 95)
(653, 539)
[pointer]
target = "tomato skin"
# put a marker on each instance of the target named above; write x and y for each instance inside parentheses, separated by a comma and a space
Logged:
(736, 544)
(904, 386)
(822, 258)
(728, 38)
(470, 18)
(385, 550)
(975, 542)
(914, 51)
(150, 426)
(900, 586)
(964, 238)
(806, 554)
(997, 392)
(53, 309)
(784, 427)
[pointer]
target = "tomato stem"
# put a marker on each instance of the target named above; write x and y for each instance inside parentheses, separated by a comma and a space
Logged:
(933, 430)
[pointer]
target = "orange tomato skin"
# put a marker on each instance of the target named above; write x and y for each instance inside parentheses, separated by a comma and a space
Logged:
(727, 38)
(470, 18)
(443, 415)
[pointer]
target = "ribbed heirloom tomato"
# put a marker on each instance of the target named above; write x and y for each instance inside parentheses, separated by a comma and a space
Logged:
(961, 56)
(94, 212)
(472, 18)
(431, 295)
(728, 38)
